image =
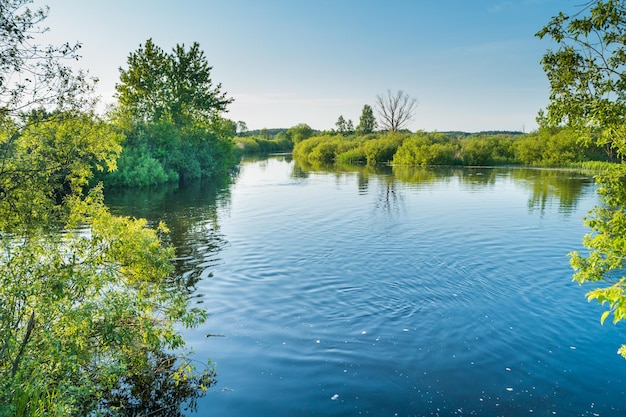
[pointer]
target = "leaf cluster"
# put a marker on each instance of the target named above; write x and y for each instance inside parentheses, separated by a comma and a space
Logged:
(605, 262)
(587, 72)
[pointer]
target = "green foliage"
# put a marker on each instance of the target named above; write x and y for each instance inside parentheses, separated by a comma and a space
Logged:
(86, 308)
(426, 149)
(136, 168)
(553, 147)
(325, 149)
(382, 150)
(371, 149)
(586, 86)
(259, 144)
(170, 87)
(605, 263)
(587, 94)
(169, 110)
(546, 147)
(367, 122)
(86, 296)
(300, 132)
(88, 304)
(352, 156)
(46, 160)
(476, 151)
(161, 152)
(344, 127)
(529, 150)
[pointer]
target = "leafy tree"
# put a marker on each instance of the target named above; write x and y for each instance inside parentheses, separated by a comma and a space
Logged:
(175, 87)
(170, 112)
(341, 124)
(349, 126)
(242, 127)
(88, 303)
(395, 110)
(588, 92)
(367, 122)
(300, 132)
(344, 126)
(586, 72)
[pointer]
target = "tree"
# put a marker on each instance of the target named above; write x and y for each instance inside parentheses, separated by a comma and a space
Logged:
(586, 73)
(588, 93)
(349, 126)
(344, 127)
(175, 87)
(242, 128)
(170, 112)
(395, 110)
(87, 300)
(299, 132)
(367, 122)
(341, 124)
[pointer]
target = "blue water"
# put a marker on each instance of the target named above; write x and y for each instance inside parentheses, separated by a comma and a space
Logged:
(426, 293)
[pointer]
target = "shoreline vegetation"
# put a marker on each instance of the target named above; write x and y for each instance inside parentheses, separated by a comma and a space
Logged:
(545, 148)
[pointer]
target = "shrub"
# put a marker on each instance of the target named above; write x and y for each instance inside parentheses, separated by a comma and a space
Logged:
(136, 168)
(476, 151)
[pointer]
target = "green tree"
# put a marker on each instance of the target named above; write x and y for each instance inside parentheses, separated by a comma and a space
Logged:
(299, 132)
(242, 128)
(341, 124)
(88, 301)
(367, 122)
(349, 126)
(588, 92)
(175, 87)
(344, 127)
(170, 112)
(587, 84)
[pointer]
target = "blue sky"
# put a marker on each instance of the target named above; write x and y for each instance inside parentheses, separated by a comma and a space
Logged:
(472, 64)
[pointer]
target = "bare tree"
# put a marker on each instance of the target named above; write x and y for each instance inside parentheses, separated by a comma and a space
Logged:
(395, 110)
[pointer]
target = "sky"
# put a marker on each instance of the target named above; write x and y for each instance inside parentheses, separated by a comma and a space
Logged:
(472, 65)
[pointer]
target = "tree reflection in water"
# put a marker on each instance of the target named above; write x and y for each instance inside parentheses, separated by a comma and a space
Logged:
(163, 384)
(164, 388)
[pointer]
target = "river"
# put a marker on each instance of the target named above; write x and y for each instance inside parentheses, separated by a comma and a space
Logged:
(391, 292)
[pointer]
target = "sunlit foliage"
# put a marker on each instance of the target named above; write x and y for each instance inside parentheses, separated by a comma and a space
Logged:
(588, 86)
(171, 113)
(88, 303)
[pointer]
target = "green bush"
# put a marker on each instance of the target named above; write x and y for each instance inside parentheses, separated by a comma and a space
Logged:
(426, 149)
(476, 151)
(380, 151)
(551, 147)
(259, 144)
(325, 148)
(136, 168)
(156, 153)
(352, 156)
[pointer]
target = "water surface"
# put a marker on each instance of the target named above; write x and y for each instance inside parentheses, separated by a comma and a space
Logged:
(400, 292)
